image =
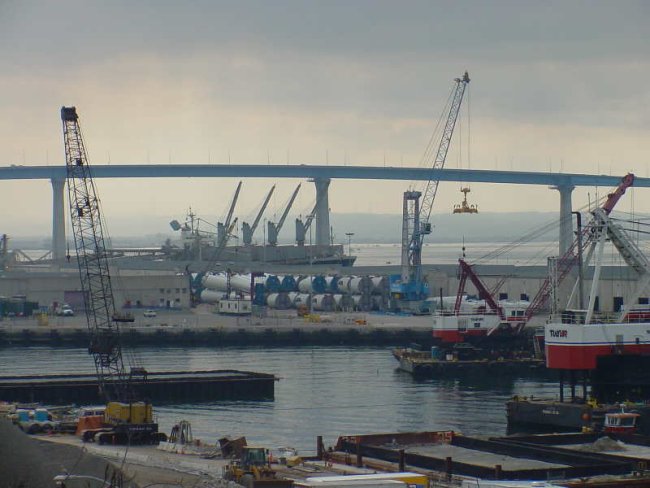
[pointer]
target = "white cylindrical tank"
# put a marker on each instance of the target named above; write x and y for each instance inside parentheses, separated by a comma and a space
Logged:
(211, 296)
(241, 282)
(217, 282)
(342, 284)
(339, 301)
(356, 300)
(321, 302)
(332, 284)
(378, 284)
(358, 284)
(278, 301)
(301, 299)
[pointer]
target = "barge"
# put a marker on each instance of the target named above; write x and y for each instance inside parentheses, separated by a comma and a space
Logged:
(423, 364)
(159, 387)
(498, 458)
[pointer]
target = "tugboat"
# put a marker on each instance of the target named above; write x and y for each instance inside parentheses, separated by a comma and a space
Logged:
(621, 422)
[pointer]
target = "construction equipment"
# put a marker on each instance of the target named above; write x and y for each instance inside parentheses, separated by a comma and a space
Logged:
(588, 236)
(252, 469)
(126, 420)
(273, 228)
(464, 207)
(249, 230)
(415, 215)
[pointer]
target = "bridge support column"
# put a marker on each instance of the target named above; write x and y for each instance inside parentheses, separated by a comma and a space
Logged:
(322, 212)
(58, 219)
(566, 219)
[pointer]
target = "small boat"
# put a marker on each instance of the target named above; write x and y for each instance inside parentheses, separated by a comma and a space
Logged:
(621, 422)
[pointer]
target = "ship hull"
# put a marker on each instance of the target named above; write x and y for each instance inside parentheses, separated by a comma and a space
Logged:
(578, 346)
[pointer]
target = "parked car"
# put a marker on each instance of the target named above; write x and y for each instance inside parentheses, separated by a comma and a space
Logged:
(149, 313)
(65, 312)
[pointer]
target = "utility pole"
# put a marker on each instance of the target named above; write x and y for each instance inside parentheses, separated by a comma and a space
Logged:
(349, 234)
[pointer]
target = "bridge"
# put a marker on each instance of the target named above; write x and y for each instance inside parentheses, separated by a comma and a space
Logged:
(321, 175)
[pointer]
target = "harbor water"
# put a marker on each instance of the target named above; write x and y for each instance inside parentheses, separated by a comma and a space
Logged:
(321, 391)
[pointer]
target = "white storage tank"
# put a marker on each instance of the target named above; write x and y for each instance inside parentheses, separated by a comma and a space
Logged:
(241, 282)
(211, 296)
(378, 284)
(301, 299)
(342, 284)
(322, 303)
(359, 284)
(217, 282)
(279, 301)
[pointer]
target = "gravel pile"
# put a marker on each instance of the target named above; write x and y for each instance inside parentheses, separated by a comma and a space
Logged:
(26, 462)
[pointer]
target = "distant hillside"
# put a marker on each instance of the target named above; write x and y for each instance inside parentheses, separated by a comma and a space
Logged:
(492, 227)
(367, 228)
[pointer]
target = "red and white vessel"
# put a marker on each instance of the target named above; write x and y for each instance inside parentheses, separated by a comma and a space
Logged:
(475, 319)
(471, 318)
(579, 337)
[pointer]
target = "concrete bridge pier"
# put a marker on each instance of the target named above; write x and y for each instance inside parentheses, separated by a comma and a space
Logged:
(322, 211)
(58, 219)
(566, 218)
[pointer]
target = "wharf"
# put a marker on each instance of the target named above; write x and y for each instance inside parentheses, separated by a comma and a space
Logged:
(420, 363)
(200, 327)
(502, 458)
(159, 387)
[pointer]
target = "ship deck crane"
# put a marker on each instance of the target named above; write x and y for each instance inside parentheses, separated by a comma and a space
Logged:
(249, 230)
(417, 206)
(223, 229)
(129, 421)
(303, 227)
(273, 228)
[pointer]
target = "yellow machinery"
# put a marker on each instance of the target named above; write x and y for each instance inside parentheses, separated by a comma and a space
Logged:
(253, 469)
(464, 207)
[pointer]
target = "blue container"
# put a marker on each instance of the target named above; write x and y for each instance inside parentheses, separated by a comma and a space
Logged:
(41, 415)
(436, 353)
(23, 415)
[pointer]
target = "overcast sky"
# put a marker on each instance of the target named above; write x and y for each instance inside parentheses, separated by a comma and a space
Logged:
(556, 86)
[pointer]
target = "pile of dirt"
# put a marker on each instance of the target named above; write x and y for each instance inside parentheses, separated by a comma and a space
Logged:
(604, 444)
(26, 462)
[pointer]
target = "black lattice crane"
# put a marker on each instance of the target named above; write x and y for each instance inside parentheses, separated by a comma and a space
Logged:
(129, 421)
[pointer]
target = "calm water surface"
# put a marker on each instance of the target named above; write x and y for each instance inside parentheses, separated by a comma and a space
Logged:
(322, 391)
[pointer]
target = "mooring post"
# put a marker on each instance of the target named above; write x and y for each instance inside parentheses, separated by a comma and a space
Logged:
(319, 447)
(448, 466)
(359, 457)
(497, 471)
(401, 460)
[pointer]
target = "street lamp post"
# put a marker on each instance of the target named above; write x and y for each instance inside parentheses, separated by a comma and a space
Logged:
(349, 234)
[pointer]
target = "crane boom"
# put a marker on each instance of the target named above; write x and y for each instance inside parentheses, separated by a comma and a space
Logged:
(417, 206)
(429, 194)
(261, 212)
(231, 210)
(274, 229)
(279, 225)
(92, 259)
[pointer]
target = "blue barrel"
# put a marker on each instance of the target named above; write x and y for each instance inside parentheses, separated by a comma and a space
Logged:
(288, 283)
(436, 353)
(272, 284)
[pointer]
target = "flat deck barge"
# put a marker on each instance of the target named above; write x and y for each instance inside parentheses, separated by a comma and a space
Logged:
(500, 458)
(419, 363)
(158, 387)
